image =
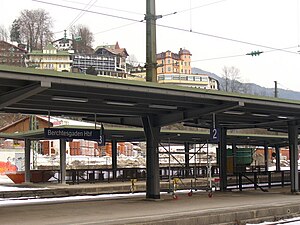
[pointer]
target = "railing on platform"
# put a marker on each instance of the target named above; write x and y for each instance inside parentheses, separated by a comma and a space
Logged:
(258, 179)
(254, 178)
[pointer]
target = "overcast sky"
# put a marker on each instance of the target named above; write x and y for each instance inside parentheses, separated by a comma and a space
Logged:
(264, 25)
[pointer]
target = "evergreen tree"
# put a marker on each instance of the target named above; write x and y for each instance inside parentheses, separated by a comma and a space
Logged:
(15, 32)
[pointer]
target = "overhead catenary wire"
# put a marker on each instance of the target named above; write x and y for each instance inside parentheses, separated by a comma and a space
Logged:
(118, 27)
(170, 27)
(81, 13)
(239, 55)
(283, 86)
(102, 7)
(192, 8)
(224, 38)
(89, 11)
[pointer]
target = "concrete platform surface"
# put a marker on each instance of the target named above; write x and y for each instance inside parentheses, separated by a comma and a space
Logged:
(222, 208)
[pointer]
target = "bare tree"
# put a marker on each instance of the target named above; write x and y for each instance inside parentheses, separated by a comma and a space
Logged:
(3, 33)
(35, 28)
(132, 60)
(82, 39)
(232, 80)
(8, 118)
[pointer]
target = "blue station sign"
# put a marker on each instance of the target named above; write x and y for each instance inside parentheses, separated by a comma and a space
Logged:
(215, 135)
(68, 133)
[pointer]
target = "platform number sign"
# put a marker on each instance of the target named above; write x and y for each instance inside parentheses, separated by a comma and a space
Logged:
(215, 135)
(101, 141)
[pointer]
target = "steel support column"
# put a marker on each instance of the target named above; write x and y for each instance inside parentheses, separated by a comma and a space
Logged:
(152, 158)
(234, 157)
(277, 152)
(266, 156)
(151, 73)
(186, 158)
(62, 161)
(293, 147)
(223, 159)
(27, 160)
(114, 149)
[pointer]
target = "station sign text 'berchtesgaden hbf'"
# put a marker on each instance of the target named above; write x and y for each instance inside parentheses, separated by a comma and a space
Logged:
(67, 133)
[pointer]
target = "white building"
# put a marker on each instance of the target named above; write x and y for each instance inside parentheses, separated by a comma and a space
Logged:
(189, 80)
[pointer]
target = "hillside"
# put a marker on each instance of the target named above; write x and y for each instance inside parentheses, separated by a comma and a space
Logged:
(254, 89)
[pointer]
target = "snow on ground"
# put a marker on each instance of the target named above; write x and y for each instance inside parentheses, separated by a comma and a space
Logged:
(293, 221)
(22, 201)
(4, 180)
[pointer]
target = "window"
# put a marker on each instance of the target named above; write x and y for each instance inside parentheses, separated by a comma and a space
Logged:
(169, 61)
(168, 77)
(161, 77)
(185, 63)
(176, 77)
(169, 69)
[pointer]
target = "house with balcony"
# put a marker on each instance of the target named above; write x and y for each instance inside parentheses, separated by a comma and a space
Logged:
(50, 58)
(175, 69)
(107, 60)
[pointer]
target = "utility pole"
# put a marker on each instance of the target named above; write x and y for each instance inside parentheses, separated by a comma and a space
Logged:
(276, 90)
(151, 73)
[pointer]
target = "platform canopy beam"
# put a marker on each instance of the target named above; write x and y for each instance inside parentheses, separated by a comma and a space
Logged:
(22, 93)
(195, 113)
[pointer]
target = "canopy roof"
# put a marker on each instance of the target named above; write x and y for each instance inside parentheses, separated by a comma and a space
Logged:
(172, 136)
(125, 102)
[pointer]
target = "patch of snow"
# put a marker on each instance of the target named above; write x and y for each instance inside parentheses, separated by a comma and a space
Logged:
(292, 221)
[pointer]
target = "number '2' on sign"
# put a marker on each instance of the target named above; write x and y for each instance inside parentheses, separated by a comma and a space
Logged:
(215, 134)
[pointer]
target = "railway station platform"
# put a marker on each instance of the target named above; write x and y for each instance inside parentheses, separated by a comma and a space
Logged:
(232, 207)
(50, 190)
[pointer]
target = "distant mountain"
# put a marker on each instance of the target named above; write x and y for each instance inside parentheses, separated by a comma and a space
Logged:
(254, 89)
